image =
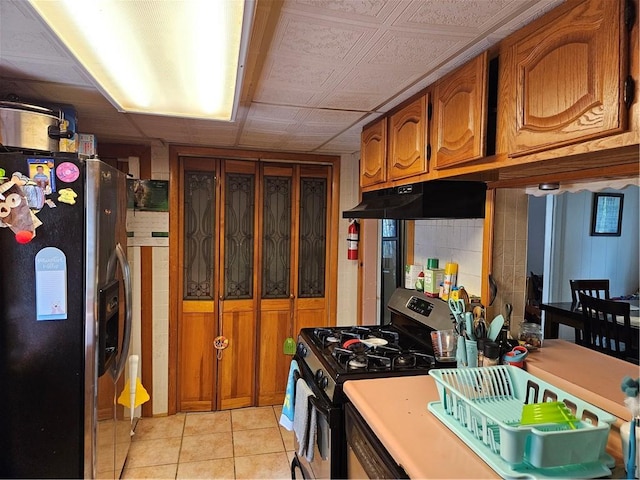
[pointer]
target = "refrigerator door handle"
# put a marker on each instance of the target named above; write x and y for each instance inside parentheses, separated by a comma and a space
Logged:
(119, 255)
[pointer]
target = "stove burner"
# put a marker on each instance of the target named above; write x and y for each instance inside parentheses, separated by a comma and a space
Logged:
(326, 336)
(404, 360)
(359, 361)
(379, 362)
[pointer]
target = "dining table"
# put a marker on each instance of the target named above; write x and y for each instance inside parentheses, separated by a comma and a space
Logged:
(570, 314)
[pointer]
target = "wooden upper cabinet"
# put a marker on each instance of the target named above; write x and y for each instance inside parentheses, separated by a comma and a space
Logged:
(407, 140)
(373, 154)
(460, 114)
(566, 77)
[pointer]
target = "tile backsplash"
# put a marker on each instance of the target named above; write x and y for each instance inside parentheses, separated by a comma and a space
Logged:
(450, 240)
(510, 253)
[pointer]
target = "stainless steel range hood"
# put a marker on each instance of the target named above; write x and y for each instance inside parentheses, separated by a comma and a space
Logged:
(433, 199)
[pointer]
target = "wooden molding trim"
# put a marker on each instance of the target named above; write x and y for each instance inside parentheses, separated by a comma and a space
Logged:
(146, 314)
(588, 174)
(143, 152)
(487, 245)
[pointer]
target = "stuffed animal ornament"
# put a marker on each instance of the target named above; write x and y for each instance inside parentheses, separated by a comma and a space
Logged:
(15, 212)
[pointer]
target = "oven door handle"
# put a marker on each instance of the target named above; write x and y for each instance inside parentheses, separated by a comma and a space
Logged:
(320, 406)
(295, 464)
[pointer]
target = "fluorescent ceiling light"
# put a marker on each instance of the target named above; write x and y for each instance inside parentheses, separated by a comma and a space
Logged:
(181, 58)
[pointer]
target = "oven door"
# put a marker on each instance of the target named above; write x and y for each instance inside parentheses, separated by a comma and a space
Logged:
(328, 458)
(366, 456)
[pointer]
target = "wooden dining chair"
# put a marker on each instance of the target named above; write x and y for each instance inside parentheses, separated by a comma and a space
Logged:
(598, 288)
(607, 328)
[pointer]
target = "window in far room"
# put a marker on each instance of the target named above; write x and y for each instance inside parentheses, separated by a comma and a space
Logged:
(391, 265)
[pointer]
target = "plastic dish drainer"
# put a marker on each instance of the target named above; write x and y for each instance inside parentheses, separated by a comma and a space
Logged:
(483, 407)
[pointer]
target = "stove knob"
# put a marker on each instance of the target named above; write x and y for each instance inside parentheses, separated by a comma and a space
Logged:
(302, 350)
(321, 380)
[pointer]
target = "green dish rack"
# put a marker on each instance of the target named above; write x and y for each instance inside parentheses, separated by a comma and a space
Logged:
(483, 406)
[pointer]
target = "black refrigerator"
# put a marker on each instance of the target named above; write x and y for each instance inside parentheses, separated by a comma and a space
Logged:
(65, 317)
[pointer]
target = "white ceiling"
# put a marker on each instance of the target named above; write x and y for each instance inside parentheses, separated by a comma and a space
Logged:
(316, 71)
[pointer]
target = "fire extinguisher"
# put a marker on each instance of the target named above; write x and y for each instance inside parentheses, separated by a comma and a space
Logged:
(353, 237)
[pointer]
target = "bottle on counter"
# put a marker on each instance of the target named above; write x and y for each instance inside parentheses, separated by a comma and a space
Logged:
(433, 277)
(450, 279)
(491, 355)
(505, 341)
(453, 294)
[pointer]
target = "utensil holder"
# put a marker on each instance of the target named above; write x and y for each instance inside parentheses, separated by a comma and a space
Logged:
(472, 353)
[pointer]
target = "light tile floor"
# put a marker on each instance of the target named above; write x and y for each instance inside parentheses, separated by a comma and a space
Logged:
(241, 444)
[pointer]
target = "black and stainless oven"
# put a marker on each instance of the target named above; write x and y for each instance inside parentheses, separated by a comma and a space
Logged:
(329, 357)
(366, 455)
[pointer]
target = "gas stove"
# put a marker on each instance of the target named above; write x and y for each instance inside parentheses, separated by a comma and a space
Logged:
(329, 356)
(370, 349)
(337, 354)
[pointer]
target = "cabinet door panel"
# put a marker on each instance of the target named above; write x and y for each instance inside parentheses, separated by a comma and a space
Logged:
(236, 367)
(311, 312)
(273, 364)
(197, 363)
(407, 139)
(567, 79)
(459, 114)
(373, 156)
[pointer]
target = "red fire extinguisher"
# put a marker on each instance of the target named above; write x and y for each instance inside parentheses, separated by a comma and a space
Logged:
(353, 237)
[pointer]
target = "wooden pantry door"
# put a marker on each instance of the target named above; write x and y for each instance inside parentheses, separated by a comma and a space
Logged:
(277, 294)
(218, 287)
(238, 300)
(294, 258)
(254, 255)
(197, 286)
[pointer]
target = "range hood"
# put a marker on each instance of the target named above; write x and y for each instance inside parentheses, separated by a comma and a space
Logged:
(432, 199)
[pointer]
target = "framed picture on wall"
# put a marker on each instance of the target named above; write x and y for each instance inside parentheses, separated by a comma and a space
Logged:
(606, 214)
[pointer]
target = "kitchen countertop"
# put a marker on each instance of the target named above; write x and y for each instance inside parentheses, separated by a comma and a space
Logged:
(592, 376)
(396, 410)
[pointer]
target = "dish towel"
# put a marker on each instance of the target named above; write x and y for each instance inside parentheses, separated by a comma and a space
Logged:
(312, 430)
(286, 418)
(301, 415)
(323, 436)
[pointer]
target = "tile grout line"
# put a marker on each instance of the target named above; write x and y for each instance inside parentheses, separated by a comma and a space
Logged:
(233, 446)
(184, 424)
